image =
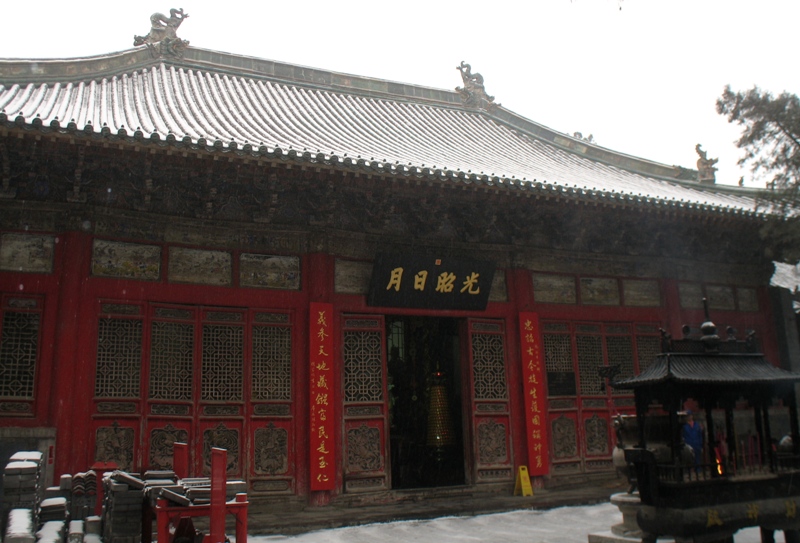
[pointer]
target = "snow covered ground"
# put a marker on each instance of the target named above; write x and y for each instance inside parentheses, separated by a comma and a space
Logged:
(562, 525)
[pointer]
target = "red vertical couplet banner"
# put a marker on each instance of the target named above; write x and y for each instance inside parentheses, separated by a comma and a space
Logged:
(322, 397)
(535, 395)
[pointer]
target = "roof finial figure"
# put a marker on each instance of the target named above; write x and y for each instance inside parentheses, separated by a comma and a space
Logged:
(473, 92)
(162, 40)
(705, 167)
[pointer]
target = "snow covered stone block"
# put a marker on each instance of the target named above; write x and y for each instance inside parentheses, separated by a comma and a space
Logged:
(93, 525)
(51, 532)
(20, 527)
(75, 531)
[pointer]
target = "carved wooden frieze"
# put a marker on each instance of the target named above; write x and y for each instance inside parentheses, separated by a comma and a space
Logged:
(271, 450)
(27, 253)
(565, 438)
(115, 444)
(492, 443)
(270, 485)
(199, 266)
(253, 205)
(116, 407)
(352, 277)
(268, 409)
(690, 295)
(269, 271)
(162, 441)
(641, 293)
(599, 291)
(126, 260)
(364, 449)
(596, 435)
(747, 299)
(221, 437)
(554, 289)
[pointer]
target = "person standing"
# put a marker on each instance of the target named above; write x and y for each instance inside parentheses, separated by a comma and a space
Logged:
(693, 437)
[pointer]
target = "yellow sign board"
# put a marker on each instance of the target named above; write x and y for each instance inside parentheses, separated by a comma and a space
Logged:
(523, 485)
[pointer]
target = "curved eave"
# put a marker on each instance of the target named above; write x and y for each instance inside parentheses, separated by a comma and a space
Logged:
(523, 187)
(64, 71)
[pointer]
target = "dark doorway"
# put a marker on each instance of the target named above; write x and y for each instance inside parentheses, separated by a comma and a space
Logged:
(427, 443)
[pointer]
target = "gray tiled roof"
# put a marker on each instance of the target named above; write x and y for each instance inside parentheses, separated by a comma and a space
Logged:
(224, 103)
(710, 369)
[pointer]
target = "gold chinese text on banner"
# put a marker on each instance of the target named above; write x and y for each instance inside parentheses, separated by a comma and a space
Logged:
(322, 397)
(533, 386)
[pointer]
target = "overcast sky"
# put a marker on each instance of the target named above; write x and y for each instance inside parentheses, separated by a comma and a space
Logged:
(641, 76)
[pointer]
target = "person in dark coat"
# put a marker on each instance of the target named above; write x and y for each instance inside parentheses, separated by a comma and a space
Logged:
(693, 437)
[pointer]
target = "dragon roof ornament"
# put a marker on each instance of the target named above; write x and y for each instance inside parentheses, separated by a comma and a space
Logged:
(473, 92)
(706, 171)
(162, 40)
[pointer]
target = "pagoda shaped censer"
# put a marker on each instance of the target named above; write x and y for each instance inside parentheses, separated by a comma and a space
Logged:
(441, 432)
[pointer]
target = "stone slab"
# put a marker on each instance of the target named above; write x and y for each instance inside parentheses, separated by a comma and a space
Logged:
(609, 537)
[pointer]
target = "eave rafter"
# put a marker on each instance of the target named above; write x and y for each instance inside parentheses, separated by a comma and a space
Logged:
(360, 167)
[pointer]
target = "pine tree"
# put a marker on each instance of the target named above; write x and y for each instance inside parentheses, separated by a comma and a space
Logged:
(771, 143)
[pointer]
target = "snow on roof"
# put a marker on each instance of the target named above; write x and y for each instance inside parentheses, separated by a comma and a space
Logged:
(221, 103)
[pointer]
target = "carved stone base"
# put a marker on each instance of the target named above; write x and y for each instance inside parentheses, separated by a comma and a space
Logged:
(610, 537)
(628, 505)
(628, 530)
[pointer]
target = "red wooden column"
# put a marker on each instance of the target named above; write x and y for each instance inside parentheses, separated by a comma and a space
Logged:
(180, 460)
(70, 405)
(218, 484)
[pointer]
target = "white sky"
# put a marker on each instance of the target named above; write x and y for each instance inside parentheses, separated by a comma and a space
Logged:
(562, 525)
(643, 80)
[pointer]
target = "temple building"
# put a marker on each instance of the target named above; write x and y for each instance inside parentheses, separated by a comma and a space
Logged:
(355, 286)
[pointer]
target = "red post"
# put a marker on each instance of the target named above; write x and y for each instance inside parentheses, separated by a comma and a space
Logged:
(99, 469)
(180, 460)
(241, 519)
(218, 483)
(162, 521)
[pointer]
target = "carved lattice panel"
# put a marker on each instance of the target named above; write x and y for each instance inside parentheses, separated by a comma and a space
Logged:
(272, 363)
(221, 437)
(492, 442)
(488, 367)
(364, 449)
(596, 435)
(363, 366)
(171, 361)
(119, 358)
(271, 450)
(620, 353)
(18, 354)
(115, 444)
(162, 441)
(647, 348)
(559, 364)
(223, 363)
(590, 358)
(565, 438)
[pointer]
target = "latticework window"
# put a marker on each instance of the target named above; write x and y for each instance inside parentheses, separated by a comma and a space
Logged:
(171, 360)
(272, 363)
(647, 348)
(590, 358)
(19, 349)
(559, 365)
(223, 363)
(363, 369)
(488, 367)
(119, 358)
(620, 353)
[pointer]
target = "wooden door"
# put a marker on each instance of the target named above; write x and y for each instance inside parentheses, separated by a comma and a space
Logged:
(491, 419)
(365, 412)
